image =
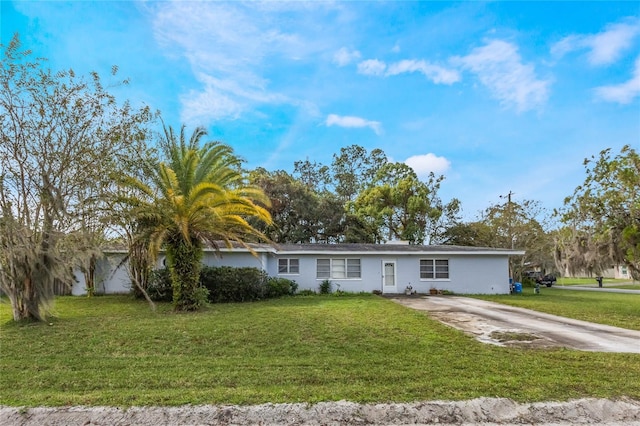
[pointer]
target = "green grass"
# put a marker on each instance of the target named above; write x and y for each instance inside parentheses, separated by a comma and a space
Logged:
(589, 282)
(115, 351)
(626, 286)
(617, 309)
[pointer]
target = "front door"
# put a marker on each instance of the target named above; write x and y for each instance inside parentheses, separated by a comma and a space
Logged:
(389, 276)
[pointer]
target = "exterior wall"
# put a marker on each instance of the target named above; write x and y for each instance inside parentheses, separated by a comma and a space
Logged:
(109, 280)
(235, 259)
(467, 274)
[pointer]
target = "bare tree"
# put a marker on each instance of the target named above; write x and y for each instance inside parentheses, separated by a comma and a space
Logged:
(62, 136)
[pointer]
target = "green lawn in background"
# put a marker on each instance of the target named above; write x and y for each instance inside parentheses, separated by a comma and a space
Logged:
(591, 282)
(626, 286)
(617, 309)
(113, 350)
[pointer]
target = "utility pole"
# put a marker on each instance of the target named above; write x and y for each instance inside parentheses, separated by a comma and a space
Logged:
(509, 212)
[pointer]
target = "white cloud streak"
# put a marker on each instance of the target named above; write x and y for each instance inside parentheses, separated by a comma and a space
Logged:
(623, 93)
(435, 73)
(499, 67)
(426, 163)
(227, 44)
(371, 67)
(605, 47)
(353, 122)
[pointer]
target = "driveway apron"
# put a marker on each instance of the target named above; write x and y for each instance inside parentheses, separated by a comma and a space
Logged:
(504, 325)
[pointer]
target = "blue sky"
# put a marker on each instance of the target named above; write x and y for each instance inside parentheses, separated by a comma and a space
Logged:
(497, 97)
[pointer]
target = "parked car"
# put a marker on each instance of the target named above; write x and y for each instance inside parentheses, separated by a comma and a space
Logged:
(547, 280)
(534, 275)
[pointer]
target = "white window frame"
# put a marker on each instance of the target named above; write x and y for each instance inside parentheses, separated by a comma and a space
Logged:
(436, 275)
(339, 268)
(291, 264)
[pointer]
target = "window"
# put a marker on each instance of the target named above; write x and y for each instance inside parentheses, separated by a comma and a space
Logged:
(288, 266)
(434, 269)
(338, 268)
(353, 268)
(323, 268)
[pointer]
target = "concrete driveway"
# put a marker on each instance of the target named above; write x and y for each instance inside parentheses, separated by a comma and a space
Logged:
(504, 325)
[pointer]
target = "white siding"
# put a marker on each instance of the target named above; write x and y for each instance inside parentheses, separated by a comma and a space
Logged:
(109, 278)
(468, 274)
(235, 259)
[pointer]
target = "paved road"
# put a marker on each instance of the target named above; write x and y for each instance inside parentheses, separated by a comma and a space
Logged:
(490, 322)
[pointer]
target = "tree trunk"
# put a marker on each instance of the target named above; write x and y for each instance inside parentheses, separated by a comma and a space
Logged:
(25, 303)
(90, 276)
(185, 262)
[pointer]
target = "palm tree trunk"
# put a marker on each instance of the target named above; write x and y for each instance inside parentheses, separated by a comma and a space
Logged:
(185, 262)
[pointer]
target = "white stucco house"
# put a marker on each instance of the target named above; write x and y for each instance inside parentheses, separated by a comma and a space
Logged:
(389, 268)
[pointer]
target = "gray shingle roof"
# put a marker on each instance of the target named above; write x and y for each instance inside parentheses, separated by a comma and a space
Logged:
(389, 248)
(355, 248)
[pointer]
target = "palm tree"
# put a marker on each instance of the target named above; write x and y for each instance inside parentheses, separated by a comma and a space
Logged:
(198, 196)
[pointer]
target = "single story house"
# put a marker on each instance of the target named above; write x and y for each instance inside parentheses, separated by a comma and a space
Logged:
(615, 271)
(389, 268)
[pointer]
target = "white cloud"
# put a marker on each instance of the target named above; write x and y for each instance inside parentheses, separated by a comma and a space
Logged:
(353, 122)
(605, 47)
(345, 56)
(435, 73)
(221, 98)
(372, 67)
(201, 106)
(227, 44)
(427, 163)
(622, 93)
(499, 67)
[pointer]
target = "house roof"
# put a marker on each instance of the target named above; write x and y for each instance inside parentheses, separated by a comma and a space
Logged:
(358, 249)
(363, 249)
(390, 249)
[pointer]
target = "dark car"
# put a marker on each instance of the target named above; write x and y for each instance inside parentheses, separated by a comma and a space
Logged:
(534, 275)
(547, 280)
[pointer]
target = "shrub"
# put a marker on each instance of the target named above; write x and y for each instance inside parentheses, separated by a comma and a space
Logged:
(306, 292)
(159, 287)
(325, 287)
(229, 284)
(277, 287)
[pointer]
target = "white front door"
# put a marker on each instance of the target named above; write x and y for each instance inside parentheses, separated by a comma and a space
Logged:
(389, 276)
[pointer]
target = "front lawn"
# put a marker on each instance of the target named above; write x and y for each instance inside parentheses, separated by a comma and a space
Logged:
(114, 351)
(617, 309)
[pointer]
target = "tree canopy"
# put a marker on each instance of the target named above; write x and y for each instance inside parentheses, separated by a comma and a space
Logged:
(602, 217)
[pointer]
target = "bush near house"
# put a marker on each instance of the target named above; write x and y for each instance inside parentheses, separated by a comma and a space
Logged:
(229, 284)
(277, 287)
(225, 284)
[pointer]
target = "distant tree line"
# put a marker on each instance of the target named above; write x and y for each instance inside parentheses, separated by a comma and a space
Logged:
(361, 197)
